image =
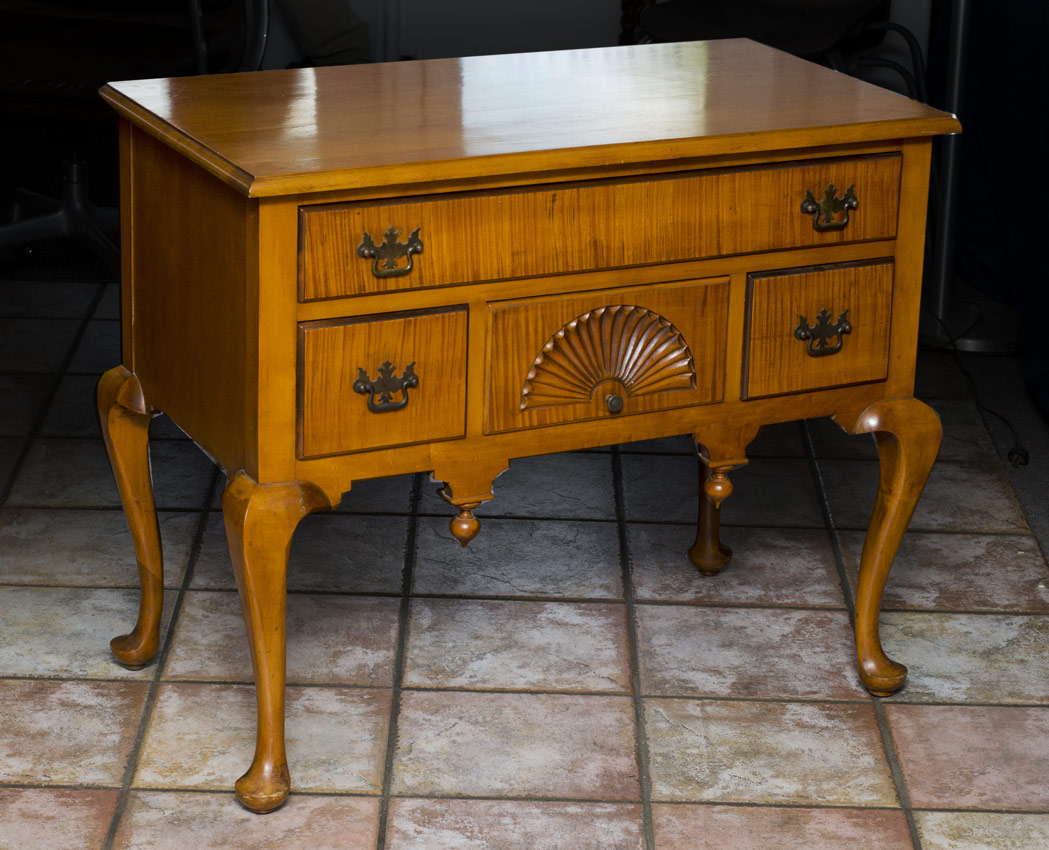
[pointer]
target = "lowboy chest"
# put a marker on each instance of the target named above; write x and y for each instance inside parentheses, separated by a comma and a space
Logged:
(336, 274)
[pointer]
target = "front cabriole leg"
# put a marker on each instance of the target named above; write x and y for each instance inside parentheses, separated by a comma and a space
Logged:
(125, 416)
(260, 520)
(908, 434)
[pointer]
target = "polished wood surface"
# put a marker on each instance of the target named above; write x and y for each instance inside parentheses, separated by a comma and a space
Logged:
(317, 129)
(613, 245)
(260, 520)
(124, 417)
(337, 418)
(777, 361)
(908, 434)
(593, 225)
(597, 358)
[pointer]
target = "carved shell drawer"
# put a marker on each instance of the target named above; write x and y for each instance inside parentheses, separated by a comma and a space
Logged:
(820, 327)
(606, 353)
(349, 249)
(376, 381)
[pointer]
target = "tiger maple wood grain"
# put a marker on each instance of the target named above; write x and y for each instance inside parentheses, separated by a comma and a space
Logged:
(493, 236)
(658, 177)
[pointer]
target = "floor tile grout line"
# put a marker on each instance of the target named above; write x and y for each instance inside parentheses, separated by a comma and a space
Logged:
(888, 747)
(398, 664)
(51, 394)
(897, 771)
(159, 662)
(626, 566)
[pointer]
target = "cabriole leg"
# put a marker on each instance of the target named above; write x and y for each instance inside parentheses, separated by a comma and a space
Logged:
(260, 520)
(908, 435)
(124, 417)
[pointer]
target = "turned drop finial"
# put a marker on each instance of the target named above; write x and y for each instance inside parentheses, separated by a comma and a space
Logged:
(717, 485)
(465, 526)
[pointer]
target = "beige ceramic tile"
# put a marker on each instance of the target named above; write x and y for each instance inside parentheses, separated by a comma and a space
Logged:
(55, 818)
(989, 658)
(71, 473)
(770, 492)
(516, 745)
(804, 754)
(739, 652)
(569, 646)
(520, 557)
(339, 640)
(682, 444)
(109, 305)
(973, 757)
(203, 736)
(23, 397)
(769, 566)
(829, 441)
(86, 548)
(389, 494)
(10, 449)
(972, 572)
(99, 348)
(73, 412)
(690, 827)
(35, 345)
(965, 497)
(982, 830)
(512, 825)
(46, 298)
(61, 631)
(67, 733)
(329, 552)
(939, 377)
(573, 485)
(782, 439)
(156, 820)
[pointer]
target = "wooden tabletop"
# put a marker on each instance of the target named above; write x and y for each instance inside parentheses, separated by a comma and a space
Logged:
(317, 129)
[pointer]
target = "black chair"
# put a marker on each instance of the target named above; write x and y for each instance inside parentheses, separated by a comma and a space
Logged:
(56, 55)
(837, 33)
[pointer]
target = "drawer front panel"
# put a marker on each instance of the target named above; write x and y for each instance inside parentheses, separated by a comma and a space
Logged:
(341, 409)
(480, 237)
(817, 328)
(606, 354)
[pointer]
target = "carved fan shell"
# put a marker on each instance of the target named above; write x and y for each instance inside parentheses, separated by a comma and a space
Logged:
(640, 349)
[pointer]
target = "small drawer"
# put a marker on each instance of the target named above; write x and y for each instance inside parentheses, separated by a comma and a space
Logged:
(377, 381)
(815, 328)
(354, 249)
(606, 354)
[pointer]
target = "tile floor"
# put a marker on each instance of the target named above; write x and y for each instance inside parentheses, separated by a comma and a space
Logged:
(568, 681)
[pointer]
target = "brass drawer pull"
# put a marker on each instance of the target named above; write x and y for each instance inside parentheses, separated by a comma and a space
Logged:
(387, 254)
(826, 209)
(820, 335)
(386, 386)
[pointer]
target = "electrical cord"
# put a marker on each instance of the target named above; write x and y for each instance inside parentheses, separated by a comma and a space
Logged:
(1017, 455)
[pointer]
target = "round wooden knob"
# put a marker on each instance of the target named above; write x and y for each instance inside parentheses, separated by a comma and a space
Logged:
(614, 402)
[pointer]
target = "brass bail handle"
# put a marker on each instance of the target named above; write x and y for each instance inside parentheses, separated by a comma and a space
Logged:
(386, 254)
(826, 210)
(819, 336)
(386, 386)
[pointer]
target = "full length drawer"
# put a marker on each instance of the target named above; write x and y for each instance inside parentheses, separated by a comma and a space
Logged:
(386, 380)
(607, 353)
(353, 249)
